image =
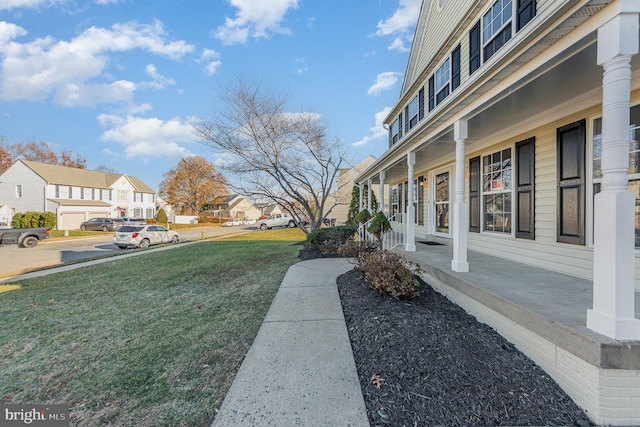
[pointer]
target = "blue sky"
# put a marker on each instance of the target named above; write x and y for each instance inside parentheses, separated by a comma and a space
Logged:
(117, 81)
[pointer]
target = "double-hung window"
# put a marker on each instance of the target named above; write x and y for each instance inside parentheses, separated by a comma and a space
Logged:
(496, 27)
(395, 129)
(497, 189)
(413, 112)
(19, 191)
(633, 173)
(443, 78)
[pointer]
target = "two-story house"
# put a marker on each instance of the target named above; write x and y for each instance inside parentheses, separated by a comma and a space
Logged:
(516, 136)
(74, 195)
(233, 206)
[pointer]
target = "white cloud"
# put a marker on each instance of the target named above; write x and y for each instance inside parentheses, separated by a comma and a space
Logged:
(74, 71)
(401, 24)
(376, 132)
(147, 137)
(211, 58)
(255, 18)
(384, 81)
(159, 81)
(103, 2)
(14, 4)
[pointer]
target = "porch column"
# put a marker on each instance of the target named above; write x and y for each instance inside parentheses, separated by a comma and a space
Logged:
(360, 186)
(410, 235)
(381, 192)
(369, 203)
(613, 311)
(460, 212)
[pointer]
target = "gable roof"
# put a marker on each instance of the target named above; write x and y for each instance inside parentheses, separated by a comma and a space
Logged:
(63, 175)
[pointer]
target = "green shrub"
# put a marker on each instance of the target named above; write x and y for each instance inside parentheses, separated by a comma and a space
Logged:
(379, 224)
(363, 216)
(161, 217)
(32, 219)
(328, 240)
(388, 272)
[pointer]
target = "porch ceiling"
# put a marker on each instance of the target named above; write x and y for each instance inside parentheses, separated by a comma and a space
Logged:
(564, 78)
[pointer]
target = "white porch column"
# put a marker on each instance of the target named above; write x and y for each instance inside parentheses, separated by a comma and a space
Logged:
(614, 213)
(369, 202)
(381, 192)
(360, 186)
(460, 212)
(410, 226)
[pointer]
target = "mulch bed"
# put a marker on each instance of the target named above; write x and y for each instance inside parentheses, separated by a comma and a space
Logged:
(425, 362)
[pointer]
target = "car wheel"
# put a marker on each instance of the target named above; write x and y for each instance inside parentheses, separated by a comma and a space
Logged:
(83, 227)
(105, 228)
(122, 247)
(29, 242)
(144, 243)
(263, 226)
(292, 224)
(174, 239)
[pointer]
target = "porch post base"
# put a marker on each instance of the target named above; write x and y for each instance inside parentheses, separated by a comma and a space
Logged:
(460, 267)
(616, 328)
(410, 247)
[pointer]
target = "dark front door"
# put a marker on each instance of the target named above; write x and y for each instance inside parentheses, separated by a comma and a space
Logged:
(571, 183)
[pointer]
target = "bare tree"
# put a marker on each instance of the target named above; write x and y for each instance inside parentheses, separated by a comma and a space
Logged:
(275, 155)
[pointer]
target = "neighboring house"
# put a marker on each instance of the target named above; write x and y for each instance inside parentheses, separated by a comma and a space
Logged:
(74, 195)
(516, 135)
(233, 206)
(270, 209)
(341, 199)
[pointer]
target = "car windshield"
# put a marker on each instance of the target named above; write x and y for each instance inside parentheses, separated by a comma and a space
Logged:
(129, 229)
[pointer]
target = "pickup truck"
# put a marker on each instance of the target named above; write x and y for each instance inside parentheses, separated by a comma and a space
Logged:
(25, 237)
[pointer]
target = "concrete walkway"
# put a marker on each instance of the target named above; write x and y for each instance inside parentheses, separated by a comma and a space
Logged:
(300, 369)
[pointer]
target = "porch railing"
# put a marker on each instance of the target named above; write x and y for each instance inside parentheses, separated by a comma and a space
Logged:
(390, 238)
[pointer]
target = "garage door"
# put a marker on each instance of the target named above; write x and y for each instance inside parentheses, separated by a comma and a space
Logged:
(71, 220)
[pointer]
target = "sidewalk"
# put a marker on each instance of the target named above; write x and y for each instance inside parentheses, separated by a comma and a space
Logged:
(300, 369)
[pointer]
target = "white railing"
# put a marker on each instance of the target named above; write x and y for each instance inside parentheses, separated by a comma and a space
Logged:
(390, 238)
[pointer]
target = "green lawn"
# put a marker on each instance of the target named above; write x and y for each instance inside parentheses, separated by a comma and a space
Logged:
(149, 340)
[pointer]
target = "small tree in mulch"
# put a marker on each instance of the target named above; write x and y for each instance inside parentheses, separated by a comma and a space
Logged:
(379, 225)
(355, 202)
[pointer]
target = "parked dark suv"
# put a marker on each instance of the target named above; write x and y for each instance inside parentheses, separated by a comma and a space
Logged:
(102, 224)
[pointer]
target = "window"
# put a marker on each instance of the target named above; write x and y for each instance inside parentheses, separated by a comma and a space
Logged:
(496, 191)
(123, 196)
(19, 191)
(496, 27)
(395, 127)
(137, 212)
(413, 112)
(442, 202)
(394, 200)
(150, 213)
(634, 161)
(443, 77)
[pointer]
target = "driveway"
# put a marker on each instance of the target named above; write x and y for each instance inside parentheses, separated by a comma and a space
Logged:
(15, 260)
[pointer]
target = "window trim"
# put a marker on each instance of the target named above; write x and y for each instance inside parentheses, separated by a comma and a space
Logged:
(442, 86)
(414, 108)
(19, 191)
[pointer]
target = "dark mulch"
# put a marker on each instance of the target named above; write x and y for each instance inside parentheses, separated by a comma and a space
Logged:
(440, 366)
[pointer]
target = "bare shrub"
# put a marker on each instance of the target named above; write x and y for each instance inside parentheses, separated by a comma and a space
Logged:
(390, 273)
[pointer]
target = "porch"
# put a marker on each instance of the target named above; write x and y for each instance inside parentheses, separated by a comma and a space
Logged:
(545, 315)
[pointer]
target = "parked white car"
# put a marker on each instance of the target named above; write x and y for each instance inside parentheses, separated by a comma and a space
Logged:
(143, 236)
(277, 220)
(232, 222)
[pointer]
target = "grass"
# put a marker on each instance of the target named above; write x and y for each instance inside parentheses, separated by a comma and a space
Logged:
(149, 340)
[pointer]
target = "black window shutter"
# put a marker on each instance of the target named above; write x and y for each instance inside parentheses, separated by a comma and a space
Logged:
(390, 135)
(431, 92)
(406, 119)
(399, 125)
(571, 183)
(474, 48)
(525, 189)
(421, 103)
(526, 12)
(474, 194)
(455, 68)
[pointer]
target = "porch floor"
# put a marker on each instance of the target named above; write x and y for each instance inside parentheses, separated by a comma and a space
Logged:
(550, 304)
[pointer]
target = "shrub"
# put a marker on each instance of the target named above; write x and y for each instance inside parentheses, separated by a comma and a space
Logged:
(388, 272)
(353, 249)
(328, 240)
(379, 224)
(162, 217)
(363, 216)
(32, 219)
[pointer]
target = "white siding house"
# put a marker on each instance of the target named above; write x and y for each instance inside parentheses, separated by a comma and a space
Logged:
(516, 135)
(74, 195)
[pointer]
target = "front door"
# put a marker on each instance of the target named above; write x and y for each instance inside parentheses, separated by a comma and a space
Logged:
(442, 202)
